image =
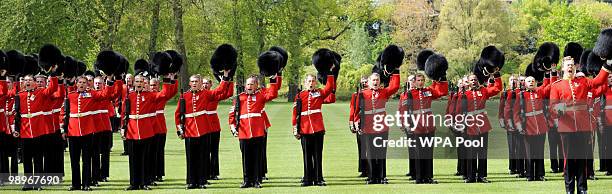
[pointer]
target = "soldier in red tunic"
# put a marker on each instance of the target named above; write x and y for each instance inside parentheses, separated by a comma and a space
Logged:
(248, 124)
(362, 165)
(568, 102)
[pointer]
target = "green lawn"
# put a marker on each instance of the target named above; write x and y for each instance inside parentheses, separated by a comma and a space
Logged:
(340, 154)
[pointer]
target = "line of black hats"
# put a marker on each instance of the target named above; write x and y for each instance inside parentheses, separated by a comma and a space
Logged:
(162, 63)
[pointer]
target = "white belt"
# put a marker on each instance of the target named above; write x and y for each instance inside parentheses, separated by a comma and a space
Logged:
(56, 110)
(212, 112)
(309, 112)
(249, 115)
(477, 112)
(576, 108)
(142, 116)
(374, 111)
(93, 112)
(1, 110)
(608, 107)
(534, 113)
(159, 111)
(425, 110)
(31, 115)
(195, 114)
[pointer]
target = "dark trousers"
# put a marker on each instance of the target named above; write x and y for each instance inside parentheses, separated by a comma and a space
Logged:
(534, 145)
(160, 158)
(476, 164)
(606, 137)
(95, 157)
(575, 145)
(376, 156)
(32, 156)
(214, 153)
(555, 150)
(461, 157)
(104, 148)
(519, 152)
(197, 164)
(251, 159)
(8, 156)
(80, 147)
(424, 160)
(412, 154)
(137, 150)
(601, 150)
(264, 157)
(151, 161)
(312, 153)
(362, 163)
(125, 147)
(511, 152)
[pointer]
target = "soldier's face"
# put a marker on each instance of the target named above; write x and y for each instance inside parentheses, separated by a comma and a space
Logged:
(195, 84)
(364, 83)
(473, 81)
(97, 84)
(374, 82)
(41, 82)
(29, 83)
(251, 85)
(139, 84)
(146, 86)
(530, 83)
(419, 81)
(81, 84)
(129, 80)
(513, 82)
(311, 82)
(609, 79)
(568, 68)
(206, 84)
(154, 86)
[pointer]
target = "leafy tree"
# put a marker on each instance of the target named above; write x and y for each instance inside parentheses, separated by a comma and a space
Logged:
(569, 24)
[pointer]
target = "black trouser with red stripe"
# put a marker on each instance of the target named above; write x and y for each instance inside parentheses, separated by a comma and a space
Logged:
(606, 139)
(196, 149)
(53, 155)
(412, 154)
(575, 148)
(160, 159)
(95, 157)
(362, 165)
(534, 145)
(32, 156)
(476, 164)
(518, 149)
(104, 149)
(137, 150)
(252, 153)
(376, 156)
(214, 153)
(556, 151)
(8, 149)
(424, 160)
(81, 147)
(312, 153)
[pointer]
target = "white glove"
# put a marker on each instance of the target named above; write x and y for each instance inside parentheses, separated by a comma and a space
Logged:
(295, 133)
(520, 129)
(502, 123)
(234, 131)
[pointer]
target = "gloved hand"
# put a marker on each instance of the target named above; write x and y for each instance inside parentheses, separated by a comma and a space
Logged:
(295, 133)
(234, 131)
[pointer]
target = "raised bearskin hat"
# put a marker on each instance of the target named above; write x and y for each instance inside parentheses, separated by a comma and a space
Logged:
(177, 61)
(379, 69)
(142, 67)
(422, 58)
(225, 57)
(283, 53)
(89, 73)
(491, 60)
(480, 74)
(15, 62)
(574, 50)
(547, 54)
(81, 68)
(435, 67)
(48, 56)
(594, 63)
(3, 59)
(323, 59)
(392, 57)
(70, 67)
(161, 63)
(124, 65)
(538, 75)
(108, 62)
(603, 46)
(269, 63)
(322, 75)
(30, 66)
(584, 61)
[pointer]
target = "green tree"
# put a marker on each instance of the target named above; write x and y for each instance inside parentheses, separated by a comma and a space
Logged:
(569, 24)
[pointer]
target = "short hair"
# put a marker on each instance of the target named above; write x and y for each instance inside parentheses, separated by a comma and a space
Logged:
(254, 77)
(98, 78)
(529, 78)
(40, 76)
(154, 80)
(129, 75)
(374, 75)
(196, 76)
(419, 75)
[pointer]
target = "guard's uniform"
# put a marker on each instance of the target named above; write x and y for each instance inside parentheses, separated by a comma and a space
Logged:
(34, 123)
(477, 156)
(251, 129)
(374, 104)
(516, 141)
(420, 106)
(570, 95)
(311, 129)
(7, 145)
(141, 109)
(362, 164)
(197, 129)
(594, 107)
(530, 121)
(606, 130)
(82, 124)
(451, 113)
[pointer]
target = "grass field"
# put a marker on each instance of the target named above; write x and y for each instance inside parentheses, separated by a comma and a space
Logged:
(339, 165)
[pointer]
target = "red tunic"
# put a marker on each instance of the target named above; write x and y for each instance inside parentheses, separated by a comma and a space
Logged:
(143, 112)
(33, 109)
(374, 104)
(311, 117)
(84, 110)
(160, 126)
(476, 102)
(196, 119)
(252, 121)
(421, 105)
(534, 111)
